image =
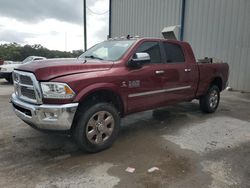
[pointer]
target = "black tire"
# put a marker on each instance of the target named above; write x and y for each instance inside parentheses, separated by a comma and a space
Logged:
(82, 128)
(209, 102)
(10, 79)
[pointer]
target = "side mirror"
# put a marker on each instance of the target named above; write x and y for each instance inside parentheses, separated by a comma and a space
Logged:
(139, 59)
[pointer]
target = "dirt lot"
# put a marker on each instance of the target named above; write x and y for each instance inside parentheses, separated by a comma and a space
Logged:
(191, 150)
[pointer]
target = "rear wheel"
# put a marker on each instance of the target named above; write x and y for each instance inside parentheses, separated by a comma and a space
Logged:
(209, 102)
(97, 127)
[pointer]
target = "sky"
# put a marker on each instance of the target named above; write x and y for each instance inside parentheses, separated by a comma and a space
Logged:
(55, 24)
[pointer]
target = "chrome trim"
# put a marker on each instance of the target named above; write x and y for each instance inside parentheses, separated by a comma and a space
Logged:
(141, 56)
(28, 86)
(35, 86)
(62, 121)
(159, 72)
(158, 91)
(187, 70)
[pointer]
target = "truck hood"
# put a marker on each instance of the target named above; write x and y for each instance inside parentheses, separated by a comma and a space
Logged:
(48, 69)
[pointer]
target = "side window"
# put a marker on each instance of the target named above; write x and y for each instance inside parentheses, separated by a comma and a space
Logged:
(174, 53)
(153, 49)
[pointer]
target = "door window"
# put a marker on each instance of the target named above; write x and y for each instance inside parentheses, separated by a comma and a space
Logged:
(174, 53)
(153, 49)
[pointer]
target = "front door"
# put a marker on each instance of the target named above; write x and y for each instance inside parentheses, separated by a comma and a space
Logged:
(145, 84)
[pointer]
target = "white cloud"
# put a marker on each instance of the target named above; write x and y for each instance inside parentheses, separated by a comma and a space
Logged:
(56, 34)
(97, 25)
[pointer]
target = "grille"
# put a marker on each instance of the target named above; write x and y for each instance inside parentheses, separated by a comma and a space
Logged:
(27, 92)
(26, 87)
(25, 80)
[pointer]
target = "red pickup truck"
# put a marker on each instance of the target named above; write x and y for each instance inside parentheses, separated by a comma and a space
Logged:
(86, 97)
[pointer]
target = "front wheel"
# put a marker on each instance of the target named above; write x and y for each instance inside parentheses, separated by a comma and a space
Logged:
(209, 102)
(97, 127)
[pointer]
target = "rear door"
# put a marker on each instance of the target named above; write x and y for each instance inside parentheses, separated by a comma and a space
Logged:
(177, 79)
(144, 84)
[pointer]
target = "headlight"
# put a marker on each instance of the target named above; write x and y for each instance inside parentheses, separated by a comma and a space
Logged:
(3, 69)
(54, 90)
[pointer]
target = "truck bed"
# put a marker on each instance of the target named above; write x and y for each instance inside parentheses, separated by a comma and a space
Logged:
(209, 72)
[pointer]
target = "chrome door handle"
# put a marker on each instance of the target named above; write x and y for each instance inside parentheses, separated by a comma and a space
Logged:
(159, 72)
(187, 70)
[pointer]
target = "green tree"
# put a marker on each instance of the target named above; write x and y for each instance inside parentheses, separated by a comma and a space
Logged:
(16, 52)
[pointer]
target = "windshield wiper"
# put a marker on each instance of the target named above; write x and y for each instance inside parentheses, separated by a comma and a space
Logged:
(93, 57)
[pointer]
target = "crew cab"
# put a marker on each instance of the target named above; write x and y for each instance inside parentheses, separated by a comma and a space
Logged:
(87, 96)
(7, 69)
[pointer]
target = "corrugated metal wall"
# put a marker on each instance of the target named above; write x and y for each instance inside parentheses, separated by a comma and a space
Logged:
(215, 28)
(143, 17)
(221, 28)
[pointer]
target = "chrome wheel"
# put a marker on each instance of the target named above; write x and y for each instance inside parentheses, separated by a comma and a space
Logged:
(213, 99)
(100, 127)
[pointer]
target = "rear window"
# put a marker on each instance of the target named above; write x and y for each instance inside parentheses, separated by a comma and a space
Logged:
(174, 53)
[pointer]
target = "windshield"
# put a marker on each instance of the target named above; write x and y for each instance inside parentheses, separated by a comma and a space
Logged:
(26, 60)
(108, 50)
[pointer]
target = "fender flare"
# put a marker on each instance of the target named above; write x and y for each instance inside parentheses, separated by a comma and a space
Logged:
(100, 87)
